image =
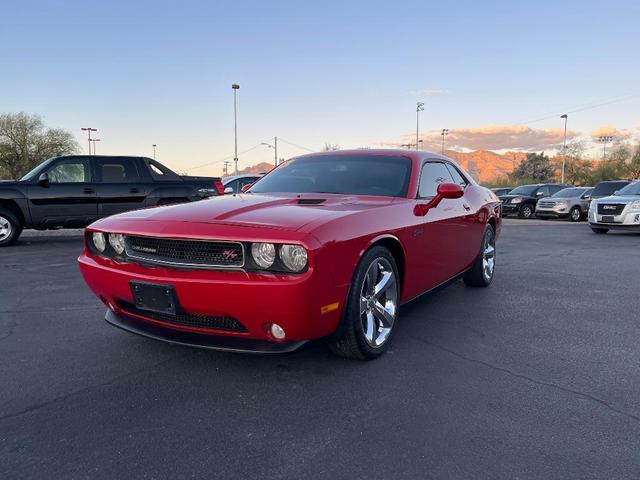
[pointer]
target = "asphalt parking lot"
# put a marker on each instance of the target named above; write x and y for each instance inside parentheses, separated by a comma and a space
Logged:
(536, 377)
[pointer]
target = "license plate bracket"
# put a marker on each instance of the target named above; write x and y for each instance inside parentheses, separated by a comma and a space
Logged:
(154, 297)
(608, 218)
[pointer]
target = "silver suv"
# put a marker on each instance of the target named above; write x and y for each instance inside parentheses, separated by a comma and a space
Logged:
(571, 203)
(619, 211)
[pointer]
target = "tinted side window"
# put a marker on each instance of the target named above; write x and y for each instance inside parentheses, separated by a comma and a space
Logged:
(433, 174)
(159, 172)
(234, 185)
(457, 176)
(115, 170)
(73, 170)
(543, 192)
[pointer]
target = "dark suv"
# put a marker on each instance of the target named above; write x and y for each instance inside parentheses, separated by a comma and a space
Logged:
(522, 200)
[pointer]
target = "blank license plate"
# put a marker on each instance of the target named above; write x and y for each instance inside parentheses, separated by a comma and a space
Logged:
(154, 297)
(608, 218)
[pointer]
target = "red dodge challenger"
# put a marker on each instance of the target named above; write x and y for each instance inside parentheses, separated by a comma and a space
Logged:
(326, 245)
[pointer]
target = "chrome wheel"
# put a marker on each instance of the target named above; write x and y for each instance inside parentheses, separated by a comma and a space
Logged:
(488, 255)
(378, 302)
(576, 214)
(527, 211)
(5, 228)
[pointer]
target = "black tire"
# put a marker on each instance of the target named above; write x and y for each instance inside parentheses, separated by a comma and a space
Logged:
(479, 275)
(600, 231)
(10, 227)
(351, 339)
(526, 211)
(575, 214)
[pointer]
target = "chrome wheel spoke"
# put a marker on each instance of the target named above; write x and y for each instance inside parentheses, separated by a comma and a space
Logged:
(372, 275)
(364, 305)
(385, 283)
(488, 257)
(370, 328)
(384, 315)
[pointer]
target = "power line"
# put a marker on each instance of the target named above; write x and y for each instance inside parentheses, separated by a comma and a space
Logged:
(296, 145)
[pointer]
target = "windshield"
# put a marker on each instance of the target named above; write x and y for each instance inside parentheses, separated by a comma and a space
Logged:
(604, 189)
(631, 189)
(569, 193)
(363, 174)
(36, 169)
(524, 190)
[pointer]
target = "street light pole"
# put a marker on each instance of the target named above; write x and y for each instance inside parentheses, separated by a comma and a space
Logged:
(444, 133)
(89, 130)
(154, 150)
(564, 147)
(235, 88)
(275, 149)
(93, 140)
(604, 139)
(419, 108)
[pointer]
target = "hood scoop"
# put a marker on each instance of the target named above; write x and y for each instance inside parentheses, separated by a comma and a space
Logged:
(311, 201)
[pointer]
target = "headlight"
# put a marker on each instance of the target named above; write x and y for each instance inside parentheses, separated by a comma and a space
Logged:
(562, 204)
(294, 257)
(592, 206)
(99, 241)
(516, 200)
(635, 206)
(116, 240)
(264, 254)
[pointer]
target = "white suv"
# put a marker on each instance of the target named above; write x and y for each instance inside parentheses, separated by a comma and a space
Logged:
(621, 210)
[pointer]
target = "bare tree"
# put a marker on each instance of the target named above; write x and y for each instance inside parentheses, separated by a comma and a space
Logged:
(330, 147)
(25, 141)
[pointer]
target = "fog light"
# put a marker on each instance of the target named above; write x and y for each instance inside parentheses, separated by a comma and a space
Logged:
(277, 331)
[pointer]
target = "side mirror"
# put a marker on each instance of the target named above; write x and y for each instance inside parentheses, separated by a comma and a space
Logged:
(445, 190)
(43, 179)
(246, 187)
(616, 192)
(539, 194)
(228, 190)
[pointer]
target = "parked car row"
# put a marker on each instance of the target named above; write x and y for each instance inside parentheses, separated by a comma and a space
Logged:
(553, 200)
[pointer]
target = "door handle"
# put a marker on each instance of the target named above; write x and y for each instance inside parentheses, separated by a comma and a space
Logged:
(466, 207)
(88, 190)
(134, 190)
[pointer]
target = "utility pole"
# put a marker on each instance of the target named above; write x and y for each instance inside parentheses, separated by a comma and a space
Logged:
(419, 108)
(225, 169)
(275, 148)
(444, 133)
(564, 147)
(604, 139)
(89, 130)
(235, 88)
(93, 140)
(154, 150)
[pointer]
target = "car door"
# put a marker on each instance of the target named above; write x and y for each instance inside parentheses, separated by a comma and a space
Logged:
(120, 186)
(67, 198)
(443, 236)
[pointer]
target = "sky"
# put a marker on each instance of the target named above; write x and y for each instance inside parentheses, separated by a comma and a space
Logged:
(496, 74)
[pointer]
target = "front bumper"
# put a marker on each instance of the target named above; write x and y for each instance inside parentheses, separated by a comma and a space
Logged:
(510, 208)
(555, 212)
(198, 340)
(626, 220)
(298, 303)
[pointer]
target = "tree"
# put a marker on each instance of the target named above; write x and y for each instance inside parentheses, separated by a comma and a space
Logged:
(330, 147)
(577, 169)
(25, 141)
(634, 164)
(536, 168)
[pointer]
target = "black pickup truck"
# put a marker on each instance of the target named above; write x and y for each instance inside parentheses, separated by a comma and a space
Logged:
(74, 191)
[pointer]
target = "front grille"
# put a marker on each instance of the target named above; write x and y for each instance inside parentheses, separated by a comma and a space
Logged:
(228, 324)
(188, 253)
(610, 208)
(547, 204)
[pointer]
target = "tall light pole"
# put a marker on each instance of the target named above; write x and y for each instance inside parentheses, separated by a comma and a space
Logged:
(604, 139)
(444, 133)
(419, 108)
(94, 140)
(275, 149)
(564, 147)
(89, 130)
(235, 88)
(154, 150)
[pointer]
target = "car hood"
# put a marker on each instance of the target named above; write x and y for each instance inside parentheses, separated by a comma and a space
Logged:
(618, 199)
(509, 197)
(8, 183)
(271, 211)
